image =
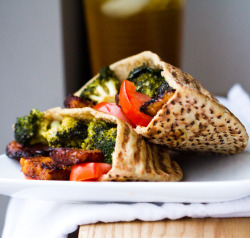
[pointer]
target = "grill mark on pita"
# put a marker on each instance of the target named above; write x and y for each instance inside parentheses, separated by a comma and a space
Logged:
(186, 79)
(159, 159)
(182, 133)
(138, 150)
(163, 167)
(125, 136)
(172, 127)
(174, 74)
(147, 167)
(174, 167)
(204, 116)
(120, 157)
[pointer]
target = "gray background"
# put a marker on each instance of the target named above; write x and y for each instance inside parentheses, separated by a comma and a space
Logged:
(216, 51)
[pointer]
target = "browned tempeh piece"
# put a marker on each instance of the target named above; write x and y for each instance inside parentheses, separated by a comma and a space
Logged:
(44, 168)
(72, 101)
(153, 106)
(70, 156)
(16, 151)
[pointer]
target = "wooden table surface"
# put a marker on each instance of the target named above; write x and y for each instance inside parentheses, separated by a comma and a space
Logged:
(186, 227)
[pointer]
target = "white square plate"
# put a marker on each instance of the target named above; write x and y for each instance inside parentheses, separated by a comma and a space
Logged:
(207, 178)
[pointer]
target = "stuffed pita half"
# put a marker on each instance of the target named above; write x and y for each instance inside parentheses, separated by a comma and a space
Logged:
(131, 156)
(185, 116)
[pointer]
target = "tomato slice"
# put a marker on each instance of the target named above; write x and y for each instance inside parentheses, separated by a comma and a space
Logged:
(88, 171)
(113, 109)
(131, 101)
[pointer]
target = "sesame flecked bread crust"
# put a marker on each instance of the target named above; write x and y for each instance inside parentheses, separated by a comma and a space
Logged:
(193, 119)
(134, 159)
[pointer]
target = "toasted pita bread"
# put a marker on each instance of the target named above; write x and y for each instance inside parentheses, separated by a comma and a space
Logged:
(192, 119)
(134, 159)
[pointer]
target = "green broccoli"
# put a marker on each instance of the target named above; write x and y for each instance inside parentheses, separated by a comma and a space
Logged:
(28, 129)
(148, 81)
(103, 88)
(102, 136)
(69, 132)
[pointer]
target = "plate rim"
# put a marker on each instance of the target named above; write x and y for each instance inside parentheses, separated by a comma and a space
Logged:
(18, 185)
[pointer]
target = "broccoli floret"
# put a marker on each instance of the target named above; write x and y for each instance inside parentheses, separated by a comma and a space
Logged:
(106, 144)
(28, 129)
(69, 132)
(148, 81)
(102, 136)
(103, 88)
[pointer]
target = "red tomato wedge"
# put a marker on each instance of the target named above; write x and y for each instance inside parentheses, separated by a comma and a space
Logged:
(89, 171)
(131, 101)
(113, 109)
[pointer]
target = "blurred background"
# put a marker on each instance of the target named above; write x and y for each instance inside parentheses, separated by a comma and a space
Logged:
(49, 48)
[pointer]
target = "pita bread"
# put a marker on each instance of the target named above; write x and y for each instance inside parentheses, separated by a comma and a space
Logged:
(193, 119)
(134, 159)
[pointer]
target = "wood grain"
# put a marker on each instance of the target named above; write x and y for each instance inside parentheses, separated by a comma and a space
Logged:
(195, 228)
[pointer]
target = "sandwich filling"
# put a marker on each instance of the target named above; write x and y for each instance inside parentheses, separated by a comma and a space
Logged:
(68, 133)
(151, 88)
